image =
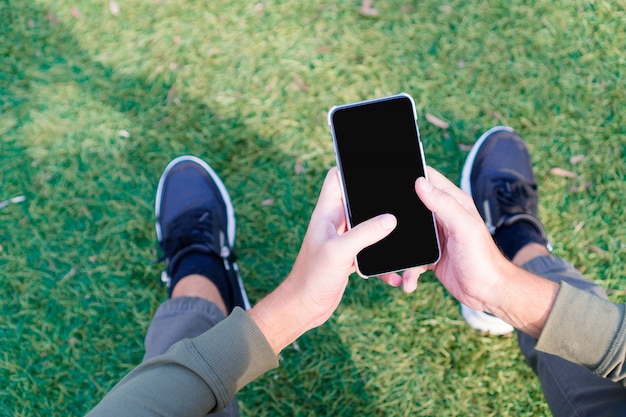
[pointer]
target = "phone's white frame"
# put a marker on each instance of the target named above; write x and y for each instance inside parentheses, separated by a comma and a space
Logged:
(341, 179)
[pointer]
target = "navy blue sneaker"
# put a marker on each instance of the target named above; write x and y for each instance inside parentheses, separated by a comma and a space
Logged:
(498, 174)
(194, 214)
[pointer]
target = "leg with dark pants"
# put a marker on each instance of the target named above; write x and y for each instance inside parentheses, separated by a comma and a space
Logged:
(498, 174)
(177, 319)
(180, 318)
(195, 228)
(570, 390)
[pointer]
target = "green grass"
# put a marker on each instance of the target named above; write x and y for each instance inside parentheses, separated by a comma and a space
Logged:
(93, 106)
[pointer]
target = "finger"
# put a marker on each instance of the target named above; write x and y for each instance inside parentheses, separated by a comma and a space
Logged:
(410, 278)
(440, 181)
(329, 206)
(393, 279)
(330, 195)
(367, 233)
(447, 209)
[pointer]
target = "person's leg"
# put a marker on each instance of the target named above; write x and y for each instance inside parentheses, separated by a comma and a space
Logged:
(498, 175)
(195, 306)
(570, 389)
(195, 227)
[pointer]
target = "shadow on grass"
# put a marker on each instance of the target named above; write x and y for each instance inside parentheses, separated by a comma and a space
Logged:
(88, 204)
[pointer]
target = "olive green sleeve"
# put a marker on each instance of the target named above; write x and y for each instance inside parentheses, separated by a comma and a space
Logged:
(589, 330)
(196, 376)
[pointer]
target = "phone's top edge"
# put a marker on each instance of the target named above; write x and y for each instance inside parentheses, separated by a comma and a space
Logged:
(375, 100)
(403, 94)
(370, 101)
(329, 115)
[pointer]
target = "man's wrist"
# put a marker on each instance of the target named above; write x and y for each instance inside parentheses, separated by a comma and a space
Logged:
(279, 316)
(523, 300)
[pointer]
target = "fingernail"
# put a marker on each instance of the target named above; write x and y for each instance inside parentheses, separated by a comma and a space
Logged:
(387, 221)
(426, 186)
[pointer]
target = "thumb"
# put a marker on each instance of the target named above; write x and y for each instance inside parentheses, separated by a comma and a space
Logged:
(367, 233)
(447, 207)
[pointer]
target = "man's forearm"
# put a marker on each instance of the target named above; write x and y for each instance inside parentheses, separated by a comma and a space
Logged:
(280, 316)
(523, 300)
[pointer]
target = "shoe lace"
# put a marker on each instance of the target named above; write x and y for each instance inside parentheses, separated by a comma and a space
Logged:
(516, 197)
(196, 227)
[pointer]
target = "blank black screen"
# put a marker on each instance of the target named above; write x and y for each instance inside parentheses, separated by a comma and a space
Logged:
(378, 152)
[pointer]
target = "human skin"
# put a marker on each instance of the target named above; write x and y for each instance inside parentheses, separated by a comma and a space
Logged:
(471, 266)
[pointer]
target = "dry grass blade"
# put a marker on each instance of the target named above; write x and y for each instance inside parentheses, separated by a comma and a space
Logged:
(562, 172)
(437, 121)
(367, 9)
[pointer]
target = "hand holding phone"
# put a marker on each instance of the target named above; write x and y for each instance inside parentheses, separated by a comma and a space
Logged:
(379, 156)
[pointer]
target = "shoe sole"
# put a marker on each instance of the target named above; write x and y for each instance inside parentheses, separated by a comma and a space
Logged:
(484, 322)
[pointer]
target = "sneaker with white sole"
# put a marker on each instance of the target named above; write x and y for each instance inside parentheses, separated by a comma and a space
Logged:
(498, 174)
(194, 213)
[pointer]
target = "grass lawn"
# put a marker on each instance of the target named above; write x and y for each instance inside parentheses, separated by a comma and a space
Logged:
(96, 96)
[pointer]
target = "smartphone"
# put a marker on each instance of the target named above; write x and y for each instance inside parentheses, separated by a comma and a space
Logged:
(379, 156)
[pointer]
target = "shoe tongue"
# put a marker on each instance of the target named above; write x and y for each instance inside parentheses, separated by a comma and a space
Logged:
(194, 227)
(508, 175)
